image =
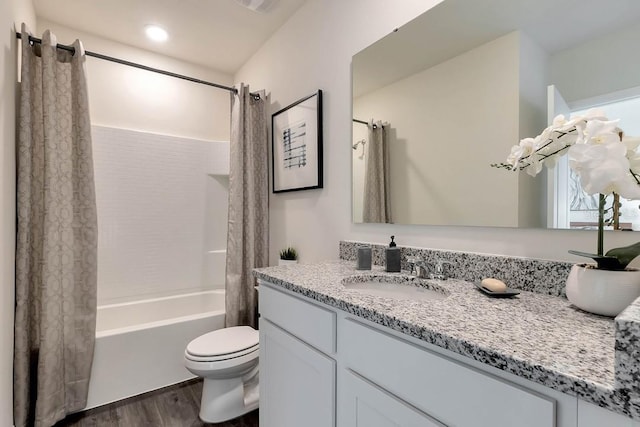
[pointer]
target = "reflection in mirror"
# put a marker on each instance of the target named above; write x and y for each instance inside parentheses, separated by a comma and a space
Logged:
(374, 198)
(465, 81)
(582, 209)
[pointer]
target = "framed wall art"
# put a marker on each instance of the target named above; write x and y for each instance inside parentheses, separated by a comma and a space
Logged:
(296, 143)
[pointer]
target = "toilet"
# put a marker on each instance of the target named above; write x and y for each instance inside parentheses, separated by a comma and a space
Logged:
(227, 359)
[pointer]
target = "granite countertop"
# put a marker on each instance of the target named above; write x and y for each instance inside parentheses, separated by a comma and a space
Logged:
(538, 337)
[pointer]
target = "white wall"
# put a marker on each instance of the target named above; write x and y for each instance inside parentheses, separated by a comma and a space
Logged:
(601, 66)
(11, 11)
(446, 122)
(534, 75)
(130, 98)
(322, 37)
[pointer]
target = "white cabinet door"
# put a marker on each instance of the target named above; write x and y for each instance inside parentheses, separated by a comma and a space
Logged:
(297, 382)
(590, 415)
(363, 404)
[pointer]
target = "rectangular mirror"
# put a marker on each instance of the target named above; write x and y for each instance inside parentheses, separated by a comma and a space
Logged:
(439, 100)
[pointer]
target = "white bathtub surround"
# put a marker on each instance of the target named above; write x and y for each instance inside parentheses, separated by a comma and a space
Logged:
(56, 257)
(248, 236)
(140, 344)
(163, 215)
(214, 266)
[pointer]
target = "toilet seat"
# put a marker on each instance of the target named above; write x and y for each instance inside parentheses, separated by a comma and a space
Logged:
(255, 349)
(223, 344)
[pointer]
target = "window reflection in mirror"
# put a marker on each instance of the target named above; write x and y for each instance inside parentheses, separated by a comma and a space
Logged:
(583, 213)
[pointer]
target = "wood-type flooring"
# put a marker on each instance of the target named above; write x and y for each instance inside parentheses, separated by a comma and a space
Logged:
(175, 406)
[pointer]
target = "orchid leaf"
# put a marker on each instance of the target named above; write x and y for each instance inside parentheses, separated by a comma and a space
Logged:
(625, 254)
(604, 262)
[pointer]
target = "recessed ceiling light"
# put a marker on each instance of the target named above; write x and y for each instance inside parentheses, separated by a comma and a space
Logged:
(155, 33)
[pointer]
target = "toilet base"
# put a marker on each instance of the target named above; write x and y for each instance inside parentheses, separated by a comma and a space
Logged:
(226, 399)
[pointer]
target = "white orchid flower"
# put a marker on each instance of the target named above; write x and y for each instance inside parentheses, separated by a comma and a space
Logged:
(604, 168)
(634, 161)
(550, 145)
(628, 188)
(591, 114)
(521, 151)
(598, 132)
(558, 121)
(603, 164)
(562, 125)
(632, 143)
(535, 166)
(605, 160)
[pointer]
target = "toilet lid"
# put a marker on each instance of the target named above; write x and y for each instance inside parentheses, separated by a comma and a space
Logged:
(224, 341)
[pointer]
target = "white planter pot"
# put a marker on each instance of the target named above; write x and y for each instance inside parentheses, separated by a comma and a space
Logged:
(287, 261)
(602, 292)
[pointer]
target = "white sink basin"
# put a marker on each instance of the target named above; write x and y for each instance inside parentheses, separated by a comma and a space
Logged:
(395, 287)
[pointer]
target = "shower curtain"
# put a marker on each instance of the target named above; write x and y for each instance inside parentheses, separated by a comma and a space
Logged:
(248, 234)
(56, 236)
(376, 203)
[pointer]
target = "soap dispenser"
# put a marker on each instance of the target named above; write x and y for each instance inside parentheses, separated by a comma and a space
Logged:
(392, 255)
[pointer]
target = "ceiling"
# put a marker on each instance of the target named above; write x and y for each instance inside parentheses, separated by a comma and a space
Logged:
(219, 34)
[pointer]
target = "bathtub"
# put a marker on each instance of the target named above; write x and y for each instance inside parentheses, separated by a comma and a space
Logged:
(140, 345)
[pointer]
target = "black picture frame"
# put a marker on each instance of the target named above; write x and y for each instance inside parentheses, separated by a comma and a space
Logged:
(296, 145)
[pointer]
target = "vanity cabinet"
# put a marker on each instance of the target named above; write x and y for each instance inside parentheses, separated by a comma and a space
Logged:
(297, 382)
(590, 415)
(446, 390)
(364, 404)
(297, 377)
(323, 367)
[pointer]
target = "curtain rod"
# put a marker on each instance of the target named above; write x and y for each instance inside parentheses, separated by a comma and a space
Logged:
(365, 123)
(140, 66)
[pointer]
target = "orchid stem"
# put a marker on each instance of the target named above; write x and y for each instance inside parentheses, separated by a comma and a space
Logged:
(601, 203)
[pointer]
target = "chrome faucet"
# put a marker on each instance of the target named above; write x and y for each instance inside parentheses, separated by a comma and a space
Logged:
(413, 261)
(439, 273)
(423, 269)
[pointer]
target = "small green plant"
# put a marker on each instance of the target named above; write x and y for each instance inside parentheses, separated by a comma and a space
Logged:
(289, 254)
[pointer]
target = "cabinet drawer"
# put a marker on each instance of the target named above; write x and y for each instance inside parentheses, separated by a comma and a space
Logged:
(312, 324)
(449, 391)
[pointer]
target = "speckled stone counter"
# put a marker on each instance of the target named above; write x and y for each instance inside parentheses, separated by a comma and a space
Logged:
(536, 336)
(627, 352)
(541, 276)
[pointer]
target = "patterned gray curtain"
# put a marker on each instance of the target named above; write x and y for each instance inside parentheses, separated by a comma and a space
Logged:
(56, 250)
(376, 203)
(248, 235)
